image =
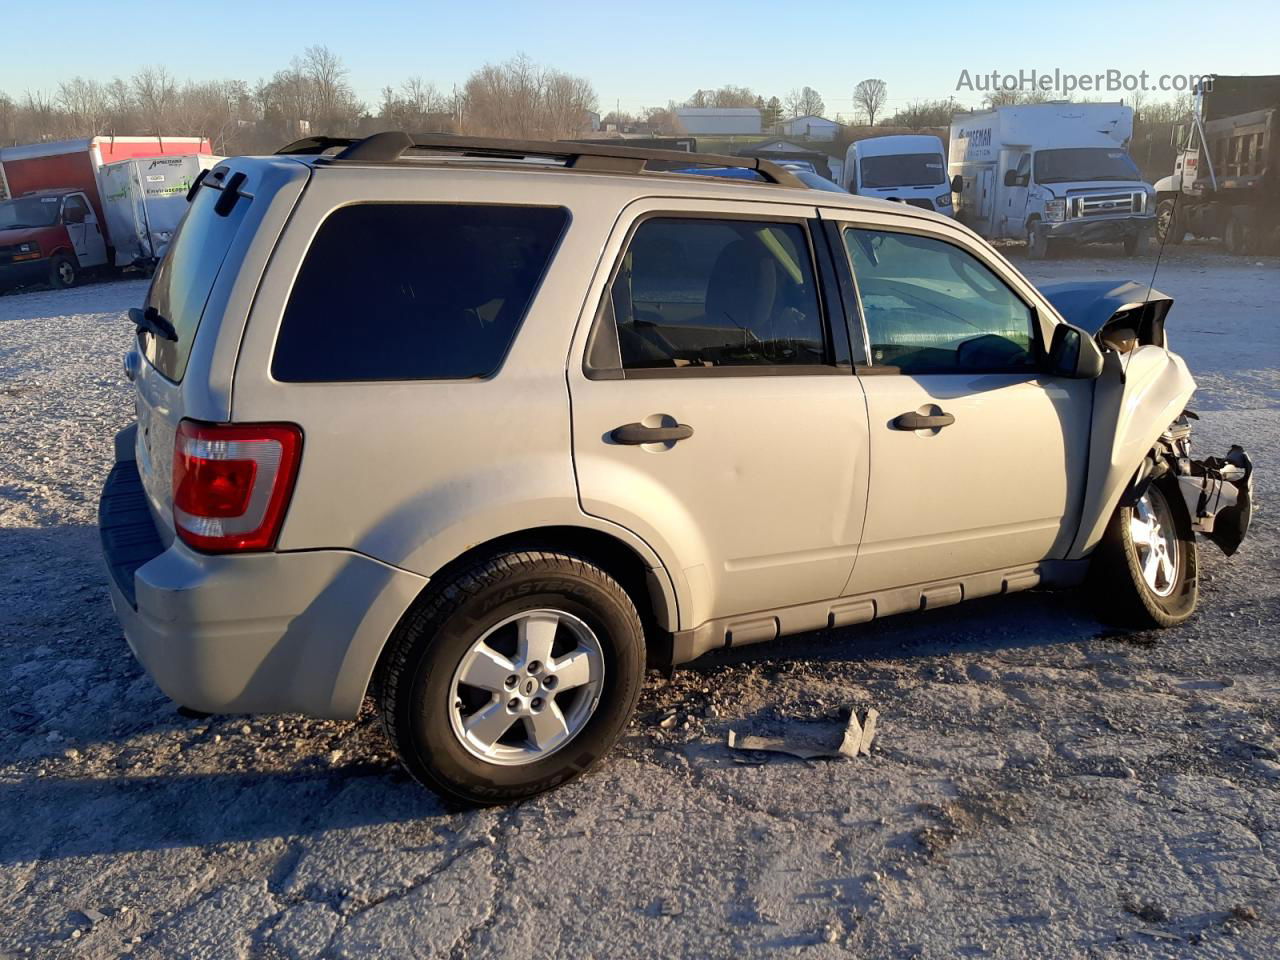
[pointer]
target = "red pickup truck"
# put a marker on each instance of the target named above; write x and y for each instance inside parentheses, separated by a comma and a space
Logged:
(52, 225)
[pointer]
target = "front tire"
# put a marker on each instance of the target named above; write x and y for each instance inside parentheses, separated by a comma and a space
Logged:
(1169, 226)
(1145, 572)
(1136, 245)
(63, 271)
(557, 625)
(1037, 244)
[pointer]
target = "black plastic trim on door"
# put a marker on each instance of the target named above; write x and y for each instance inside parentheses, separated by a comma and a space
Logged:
(848, 291)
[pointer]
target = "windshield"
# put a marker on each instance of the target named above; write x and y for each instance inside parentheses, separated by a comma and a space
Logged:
(1084, 163)
(28, 212)
(903, 170)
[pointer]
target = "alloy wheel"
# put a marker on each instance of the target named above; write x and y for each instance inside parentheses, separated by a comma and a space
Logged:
(1154, 540)
(526, 687)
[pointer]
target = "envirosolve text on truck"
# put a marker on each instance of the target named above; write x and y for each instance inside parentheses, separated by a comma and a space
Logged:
(1049, 173)
(54, 222)
(909, 169)
(1226, 175)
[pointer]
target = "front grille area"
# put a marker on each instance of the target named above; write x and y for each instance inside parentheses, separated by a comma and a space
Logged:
(1106, 204)
(922, 203)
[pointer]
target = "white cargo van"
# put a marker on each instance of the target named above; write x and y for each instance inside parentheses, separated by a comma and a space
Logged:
(1050, 172)
(909, 169)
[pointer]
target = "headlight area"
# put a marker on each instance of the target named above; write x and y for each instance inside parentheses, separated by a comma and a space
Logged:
(28, 250)
(1055, 211)
(942, 201)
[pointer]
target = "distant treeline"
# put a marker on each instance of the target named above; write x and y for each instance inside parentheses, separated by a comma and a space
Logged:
(517, 98)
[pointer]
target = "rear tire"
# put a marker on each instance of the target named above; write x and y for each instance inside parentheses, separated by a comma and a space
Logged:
(63, 271)
(1145, 572)
(484, 625)
(1236, 235)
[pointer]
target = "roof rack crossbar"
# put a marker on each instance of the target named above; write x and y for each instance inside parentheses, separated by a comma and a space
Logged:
(391, 145)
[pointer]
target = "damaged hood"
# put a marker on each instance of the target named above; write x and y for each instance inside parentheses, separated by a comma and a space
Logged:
(1090, 304)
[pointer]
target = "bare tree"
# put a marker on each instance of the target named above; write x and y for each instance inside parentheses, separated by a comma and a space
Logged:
(417, 106)
(1008, 98)
(921, 114)
(521, 99)
(805, 103)
(154, 90)
(85, 105)
(869, 95)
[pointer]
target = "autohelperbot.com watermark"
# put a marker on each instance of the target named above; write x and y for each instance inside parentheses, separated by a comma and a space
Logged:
(1068, 83)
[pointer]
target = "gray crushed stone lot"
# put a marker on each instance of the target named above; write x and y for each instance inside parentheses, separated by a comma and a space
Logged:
(1040, 786)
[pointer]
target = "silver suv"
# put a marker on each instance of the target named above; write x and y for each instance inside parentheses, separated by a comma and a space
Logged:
(480, 427)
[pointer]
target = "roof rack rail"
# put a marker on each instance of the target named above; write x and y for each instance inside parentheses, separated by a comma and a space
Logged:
(390, 146)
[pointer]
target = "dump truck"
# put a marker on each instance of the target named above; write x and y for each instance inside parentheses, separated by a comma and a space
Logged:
(1226, 174)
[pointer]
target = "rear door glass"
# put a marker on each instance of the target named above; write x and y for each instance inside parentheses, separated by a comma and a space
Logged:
(414, 291)
(186, 275)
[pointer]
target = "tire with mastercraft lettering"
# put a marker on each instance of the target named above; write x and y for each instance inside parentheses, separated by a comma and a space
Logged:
(513, 677)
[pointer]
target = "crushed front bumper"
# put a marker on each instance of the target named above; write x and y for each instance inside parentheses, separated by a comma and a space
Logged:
(23, 272)
(1099, 229)
(1219, 495)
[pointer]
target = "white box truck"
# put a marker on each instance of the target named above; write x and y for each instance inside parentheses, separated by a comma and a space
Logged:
(145, 199)
(908, 169)
(1049, 173)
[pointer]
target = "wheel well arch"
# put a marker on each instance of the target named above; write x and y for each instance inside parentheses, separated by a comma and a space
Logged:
(654, 601)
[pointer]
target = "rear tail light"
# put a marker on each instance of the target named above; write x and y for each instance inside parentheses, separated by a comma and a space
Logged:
(232, 483)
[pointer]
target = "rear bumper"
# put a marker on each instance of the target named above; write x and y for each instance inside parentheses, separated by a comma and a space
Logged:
(22, 273)
(254, 633)
(1104, 230)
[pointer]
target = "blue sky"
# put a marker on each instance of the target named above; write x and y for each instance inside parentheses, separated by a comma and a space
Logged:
(639, 54)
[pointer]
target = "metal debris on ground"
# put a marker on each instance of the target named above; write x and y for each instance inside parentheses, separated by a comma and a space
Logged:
(809, 744)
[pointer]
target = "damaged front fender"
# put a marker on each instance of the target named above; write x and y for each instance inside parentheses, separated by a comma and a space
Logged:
(1135, 399)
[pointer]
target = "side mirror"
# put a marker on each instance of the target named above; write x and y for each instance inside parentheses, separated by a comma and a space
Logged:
(1073, 354)
(957, 184)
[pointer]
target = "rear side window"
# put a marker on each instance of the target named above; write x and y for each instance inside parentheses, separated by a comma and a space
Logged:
(186, 274)
(716, 293)
(414, 291)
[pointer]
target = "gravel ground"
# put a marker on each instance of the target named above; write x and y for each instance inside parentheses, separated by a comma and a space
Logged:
(1039, 786)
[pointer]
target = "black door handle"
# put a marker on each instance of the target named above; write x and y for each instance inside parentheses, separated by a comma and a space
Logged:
(919, 421)
(636, 433)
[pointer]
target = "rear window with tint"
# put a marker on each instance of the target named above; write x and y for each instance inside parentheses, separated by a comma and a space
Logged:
(185, 277)
(414, 291)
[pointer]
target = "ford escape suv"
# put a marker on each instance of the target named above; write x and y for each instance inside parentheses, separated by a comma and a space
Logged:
(479, 427)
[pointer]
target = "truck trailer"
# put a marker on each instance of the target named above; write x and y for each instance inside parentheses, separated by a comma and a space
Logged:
(1051, 173)
(53, 214)
(1226, 174)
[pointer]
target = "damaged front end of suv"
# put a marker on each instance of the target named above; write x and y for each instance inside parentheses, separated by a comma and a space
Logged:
(1141, 442)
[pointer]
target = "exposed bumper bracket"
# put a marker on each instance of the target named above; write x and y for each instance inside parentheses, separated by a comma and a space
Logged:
(1218, 493)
